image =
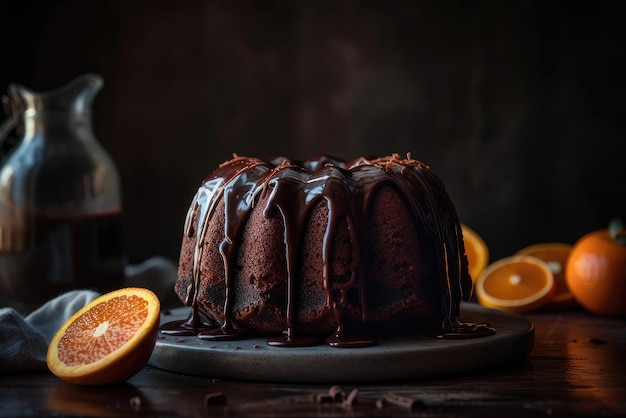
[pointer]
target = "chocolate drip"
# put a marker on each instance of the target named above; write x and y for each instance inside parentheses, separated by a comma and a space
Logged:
(347, 188)
(289, 198)
(435, 212)
(466, 330)
(294, 341)
(224, 333)
(206, 199)
(239, 197)
(343, 339)
(187, 327)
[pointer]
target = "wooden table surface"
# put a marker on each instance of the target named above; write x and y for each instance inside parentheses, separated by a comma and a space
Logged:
(577, 368)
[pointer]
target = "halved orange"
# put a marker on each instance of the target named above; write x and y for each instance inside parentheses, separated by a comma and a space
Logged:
(555, 254)
(516, 284)
(476, 251)
(107, 341)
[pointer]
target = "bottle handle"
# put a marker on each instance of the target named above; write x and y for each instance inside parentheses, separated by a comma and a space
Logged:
(6, 126)
(12, 111)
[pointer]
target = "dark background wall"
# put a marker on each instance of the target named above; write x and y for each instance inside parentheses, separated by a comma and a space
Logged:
(517, 106)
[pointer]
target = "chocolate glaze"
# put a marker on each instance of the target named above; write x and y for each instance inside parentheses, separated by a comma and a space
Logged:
(294, 188)
(467, 330)
(294, 341)
(193, 325)
(185, 327)
(224, 333)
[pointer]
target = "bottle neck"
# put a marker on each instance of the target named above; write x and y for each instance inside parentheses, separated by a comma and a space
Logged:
(58, 127)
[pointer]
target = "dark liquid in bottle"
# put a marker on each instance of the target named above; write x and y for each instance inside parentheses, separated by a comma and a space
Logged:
(57, 253)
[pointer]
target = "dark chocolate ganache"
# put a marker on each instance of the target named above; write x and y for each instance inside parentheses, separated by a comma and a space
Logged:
(347, 187)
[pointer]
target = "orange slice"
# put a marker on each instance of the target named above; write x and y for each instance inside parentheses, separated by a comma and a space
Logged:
(516, 284)
(476, 251)
(108, 340)
(555, 254)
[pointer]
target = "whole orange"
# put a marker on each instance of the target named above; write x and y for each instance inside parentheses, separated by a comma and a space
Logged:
(596, 270)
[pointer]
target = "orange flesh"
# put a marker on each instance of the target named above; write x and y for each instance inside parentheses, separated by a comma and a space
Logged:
(470, 251)
(476, 251)
(501, 283)
(556, 256)
(102, 330)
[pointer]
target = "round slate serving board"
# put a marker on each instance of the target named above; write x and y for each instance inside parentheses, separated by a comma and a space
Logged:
(393, 359)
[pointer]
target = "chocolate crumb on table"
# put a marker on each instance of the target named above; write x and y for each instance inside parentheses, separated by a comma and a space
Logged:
(380, 403)
(135, 403)
(214, 399)
(337, 393)
(402, 400)
(351, 399)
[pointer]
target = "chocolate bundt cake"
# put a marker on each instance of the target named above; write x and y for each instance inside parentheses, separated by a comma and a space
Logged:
(324, 247)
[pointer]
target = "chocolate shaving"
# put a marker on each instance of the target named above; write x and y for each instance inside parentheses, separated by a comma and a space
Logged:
(214, 399)
(337, 393)
(351, 399)
(402, 400)
(135, 403)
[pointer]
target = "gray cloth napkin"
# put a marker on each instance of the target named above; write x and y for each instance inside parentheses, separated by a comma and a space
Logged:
(24, 339)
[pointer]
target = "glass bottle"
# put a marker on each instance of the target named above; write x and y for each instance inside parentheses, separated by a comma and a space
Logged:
(60, 199)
